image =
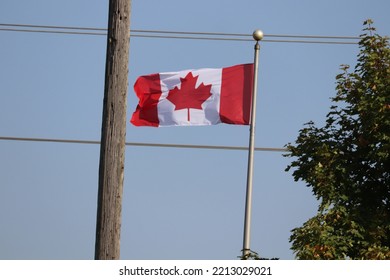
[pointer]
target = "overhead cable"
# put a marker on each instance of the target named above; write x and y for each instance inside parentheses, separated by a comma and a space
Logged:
(166, 34)
(156, 145)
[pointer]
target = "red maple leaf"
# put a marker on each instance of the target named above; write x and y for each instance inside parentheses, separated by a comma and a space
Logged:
(188, 96)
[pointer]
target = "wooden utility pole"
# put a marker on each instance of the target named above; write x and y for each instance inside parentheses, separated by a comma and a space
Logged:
(112, 149)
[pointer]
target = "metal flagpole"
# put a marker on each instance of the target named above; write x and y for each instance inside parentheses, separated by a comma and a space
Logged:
(257, 35)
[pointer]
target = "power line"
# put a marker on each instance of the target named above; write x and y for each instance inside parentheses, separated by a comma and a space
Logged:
(179, 32)
(53, 32)
(155, 145)
(165, 34)
(246, 40)
(53, 27)
(181, 37)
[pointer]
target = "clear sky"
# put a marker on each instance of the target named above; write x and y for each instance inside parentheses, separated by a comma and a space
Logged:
(178, 203)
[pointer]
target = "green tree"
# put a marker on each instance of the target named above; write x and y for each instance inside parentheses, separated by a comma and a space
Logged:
(346, 163)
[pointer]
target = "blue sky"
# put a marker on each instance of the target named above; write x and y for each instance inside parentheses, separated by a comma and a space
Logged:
(178, 203)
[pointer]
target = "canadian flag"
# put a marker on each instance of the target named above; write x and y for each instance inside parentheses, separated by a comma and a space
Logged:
(195, 97)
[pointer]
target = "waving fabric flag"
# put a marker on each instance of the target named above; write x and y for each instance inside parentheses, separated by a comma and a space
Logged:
(195, 97)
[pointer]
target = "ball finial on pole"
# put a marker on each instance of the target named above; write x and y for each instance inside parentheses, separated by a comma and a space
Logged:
(258, 35)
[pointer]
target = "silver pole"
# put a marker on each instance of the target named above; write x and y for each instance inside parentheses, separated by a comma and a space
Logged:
(257, 35)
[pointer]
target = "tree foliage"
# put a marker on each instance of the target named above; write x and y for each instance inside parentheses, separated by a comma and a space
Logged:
(346, 163)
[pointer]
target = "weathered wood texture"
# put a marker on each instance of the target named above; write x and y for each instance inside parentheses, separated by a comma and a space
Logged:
(112, 149)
